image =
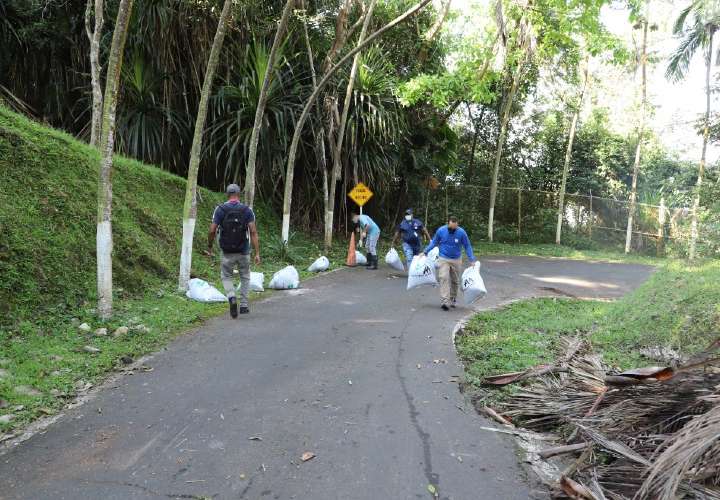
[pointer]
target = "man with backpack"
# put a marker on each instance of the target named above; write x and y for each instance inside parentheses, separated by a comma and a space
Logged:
(236, 223)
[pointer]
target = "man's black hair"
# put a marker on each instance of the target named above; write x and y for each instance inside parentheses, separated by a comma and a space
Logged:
(452, 218)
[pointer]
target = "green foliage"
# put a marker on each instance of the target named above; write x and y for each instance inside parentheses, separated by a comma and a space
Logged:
(47, 263)
(676, 308)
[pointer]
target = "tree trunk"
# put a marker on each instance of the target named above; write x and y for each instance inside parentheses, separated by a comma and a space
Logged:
(95, 69)
(290, 169)
(638, 147)
(504, 120)
(262, 101)
(568, 156)
(107, 142)
(432, 33)
(337, 157)
(706, 135)
(190, 207)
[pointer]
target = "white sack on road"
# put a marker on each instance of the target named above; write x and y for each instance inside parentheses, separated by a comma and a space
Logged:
(285, 279)
(320, 265)
(257, 282)
(202, 291)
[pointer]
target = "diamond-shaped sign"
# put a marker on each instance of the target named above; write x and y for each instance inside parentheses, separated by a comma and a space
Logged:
(360, 194)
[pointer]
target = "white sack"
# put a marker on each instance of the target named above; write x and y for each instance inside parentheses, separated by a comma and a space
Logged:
(434, 256)
(257, 282)
(472, 284)
(360, 259)
(320, 265)
(285, 279)
(421, 272)
(392, 259)
(202, 291)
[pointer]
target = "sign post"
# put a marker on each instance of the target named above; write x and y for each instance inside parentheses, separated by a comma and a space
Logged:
(360, 194)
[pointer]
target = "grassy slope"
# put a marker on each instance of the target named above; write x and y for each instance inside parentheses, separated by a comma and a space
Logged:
(678, 307)
(48, 190)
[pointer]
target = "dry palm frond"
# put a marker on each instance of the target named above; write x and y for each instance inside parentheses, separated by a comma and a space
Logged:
(692, 454)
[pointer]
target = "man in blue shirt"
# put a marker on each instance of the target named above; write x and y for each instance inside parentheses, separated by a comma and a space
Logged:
(410, 230)
(236, 224)
(451, 239)
(371, 233)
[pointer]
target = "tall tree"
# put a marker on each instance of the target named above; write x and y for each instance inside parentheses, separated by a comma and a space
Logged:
(696, 27)
(107, 141)
(517, 59)
(568, 152)
(262, 101)
(342, 125)
(641, 132)
(95, 10)
(190, 206)
(290, 169)
(433, 32)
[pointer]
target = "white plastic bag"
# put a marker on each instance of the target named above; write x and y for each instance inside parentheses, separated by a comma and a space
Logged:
(285, 279)
(421, 272)
(434, 256)
(202, 291)
(360, 259)
(472, 284)
(392, 259)
(257, 282)
(319, 265)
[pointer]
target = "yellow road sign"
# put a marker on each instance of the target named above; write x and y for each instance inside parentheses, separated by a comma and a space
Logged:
(360, 194)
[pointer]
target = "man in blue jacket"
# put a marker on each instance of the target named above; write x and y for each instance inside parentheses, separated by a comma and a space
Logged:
(410, 230)
(451, 239)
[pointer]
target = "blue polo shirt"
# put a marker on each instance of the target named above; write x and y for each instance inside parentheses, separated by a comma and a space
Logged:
(219, 215)
(451, 243)
(410, 230)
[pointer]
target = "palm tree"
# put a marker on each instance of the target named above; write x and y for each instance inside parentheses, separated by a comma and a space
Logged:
(696, 27)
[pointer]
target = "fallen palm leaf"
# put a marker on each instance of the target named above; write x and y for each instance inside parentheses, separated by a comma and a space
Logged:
(575, 490)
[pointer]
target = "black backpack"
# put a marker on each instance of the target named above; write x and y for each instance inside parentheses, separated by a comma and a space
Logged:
(234, 229)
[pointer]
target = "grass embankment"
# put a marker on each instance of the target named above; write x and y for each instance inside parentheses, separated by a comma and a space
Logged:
(48, 189)
(565, 252)
(678, 307)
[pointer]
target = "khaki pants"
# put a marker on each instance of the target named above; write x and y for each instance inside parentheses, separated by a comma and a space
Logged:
(449, 272)
(228, 263)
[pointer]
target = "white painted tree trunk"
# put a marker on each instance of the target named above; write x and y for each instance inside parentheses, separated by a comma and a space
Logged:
(262, 102)
(638, 147)
(104, 243)
(190, 206)
(568, 157)
(290, 168)
(94, 36)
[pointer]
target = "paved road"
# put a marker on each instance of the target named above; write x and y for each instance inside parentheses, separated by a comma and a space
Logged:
(343, 368)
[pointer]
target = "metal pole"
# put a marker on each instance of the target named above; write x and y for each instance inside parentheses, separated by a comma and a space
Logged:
(661, 228)
(519, 212)
(590, 223)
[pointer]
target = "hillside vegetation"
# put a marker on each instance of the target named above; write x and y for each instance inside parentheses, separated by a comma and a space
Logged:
(47, 222)
(48, 186)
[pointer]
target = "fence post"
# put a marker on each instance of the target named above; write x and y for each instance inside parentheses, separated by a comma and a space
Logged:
(519, 212)
(590, 223)
(661, 228)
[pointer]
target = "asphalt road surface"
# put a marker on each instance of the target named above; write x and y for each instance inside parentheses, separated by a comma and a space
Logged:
(351, 368)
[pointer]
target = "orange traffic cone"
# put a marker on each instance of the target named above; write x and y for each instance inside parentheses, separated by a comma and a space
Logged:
(351, 260)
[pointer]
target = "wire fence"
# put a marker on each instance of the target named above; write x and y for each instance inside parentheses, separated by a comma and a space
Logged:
(530, 216)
